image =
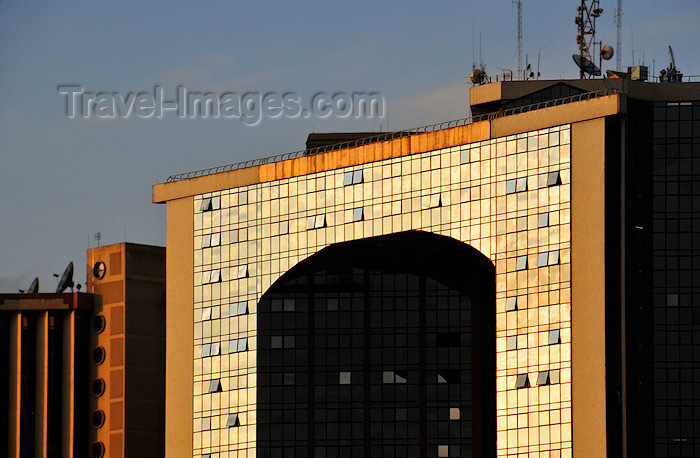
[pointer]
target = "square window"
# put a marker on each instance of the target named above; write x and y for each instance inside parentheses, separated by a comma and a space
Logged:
(672, 300)
(553, 179)
(522, 381)
(511, 343)
(215, 386)
(443, 451)
(215, 349)
(554, 337)
(215, 239)
(206, 277)
(289, 342)
(206, 314)
(542, 259)
(511, 304)
(243, 344)
(357, 177)
(388, 377)
(288, 305)
(206, 350)
(242, 308)
(435, 201)
(521, 263)
(454, 413)
(543, 378)
(206, 241)
(543, 220)
(242, 272)
(320, 221)
(553, 258)
(284, 227)
(344, 378)
(232, 420)
(510, 186)
(347, 178)
(276, 342)
(310, 222)
(464, 156)
(399, 378)
(289, 378)
(215, 276)
(205, 205)
(401, 414)
(206, 424)
(554, 376)
(358, 214)
(521, 184)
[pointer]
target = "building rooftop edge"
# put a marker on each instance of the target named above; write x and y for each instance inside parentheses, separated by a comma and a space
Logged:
(476, 128)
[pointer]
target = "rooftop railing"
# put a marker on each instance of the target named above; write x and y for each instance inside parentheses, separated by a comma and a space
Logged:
(391, 135)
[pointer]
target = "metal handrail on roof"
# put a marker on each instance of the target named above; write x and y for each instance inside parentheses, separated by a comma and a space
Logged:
(391, 135)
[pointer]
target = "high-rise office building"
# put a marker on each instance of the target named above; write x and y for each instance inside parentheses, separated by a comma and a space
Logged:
(517, 284)
(83, 372)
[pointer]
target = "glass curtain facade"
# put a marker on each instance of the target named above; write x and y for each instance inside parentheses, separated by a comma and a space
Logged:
(358, 356)
(509, 198)
(663, 309)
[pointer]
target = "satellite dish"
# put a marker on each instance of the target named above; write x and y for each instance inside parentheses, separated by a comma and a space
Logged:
(66, 280)
(586, 65)
(33, 288)
(606, 52)
(477, 76)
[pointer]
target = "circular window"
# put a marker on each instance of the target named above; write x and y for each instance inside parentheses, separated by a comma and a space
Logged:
(98, 387)
(99, 323)
(99, 354)
(99, 269)
(98, 450)
(98, 418)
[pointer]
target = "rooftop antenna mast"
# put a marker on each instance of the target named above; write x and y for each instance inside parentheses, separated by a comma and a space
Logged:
(618, 21)
(588, 11)
(520, 38)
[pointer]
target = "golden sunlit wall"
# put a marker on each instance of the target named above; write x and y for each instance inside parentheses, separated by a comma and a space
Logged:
(508, 197)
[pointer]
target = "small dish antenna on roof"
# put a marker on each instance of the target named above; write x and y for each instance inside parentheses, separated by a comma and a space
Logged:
(586, 65)
(33, 288)
(66, 280)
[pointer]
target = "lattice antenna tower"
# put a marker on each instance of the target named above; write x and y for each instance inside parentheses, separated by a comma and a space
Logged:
(618, 23)
(588, 11)
(520, 38)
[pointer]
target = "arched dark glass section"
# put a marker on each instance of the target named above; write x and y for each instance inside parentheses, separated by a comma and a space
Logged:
(382, 346)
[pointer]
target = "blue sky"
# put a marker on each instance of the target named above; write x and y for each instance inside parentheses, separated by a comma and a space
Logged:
(62, 180)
